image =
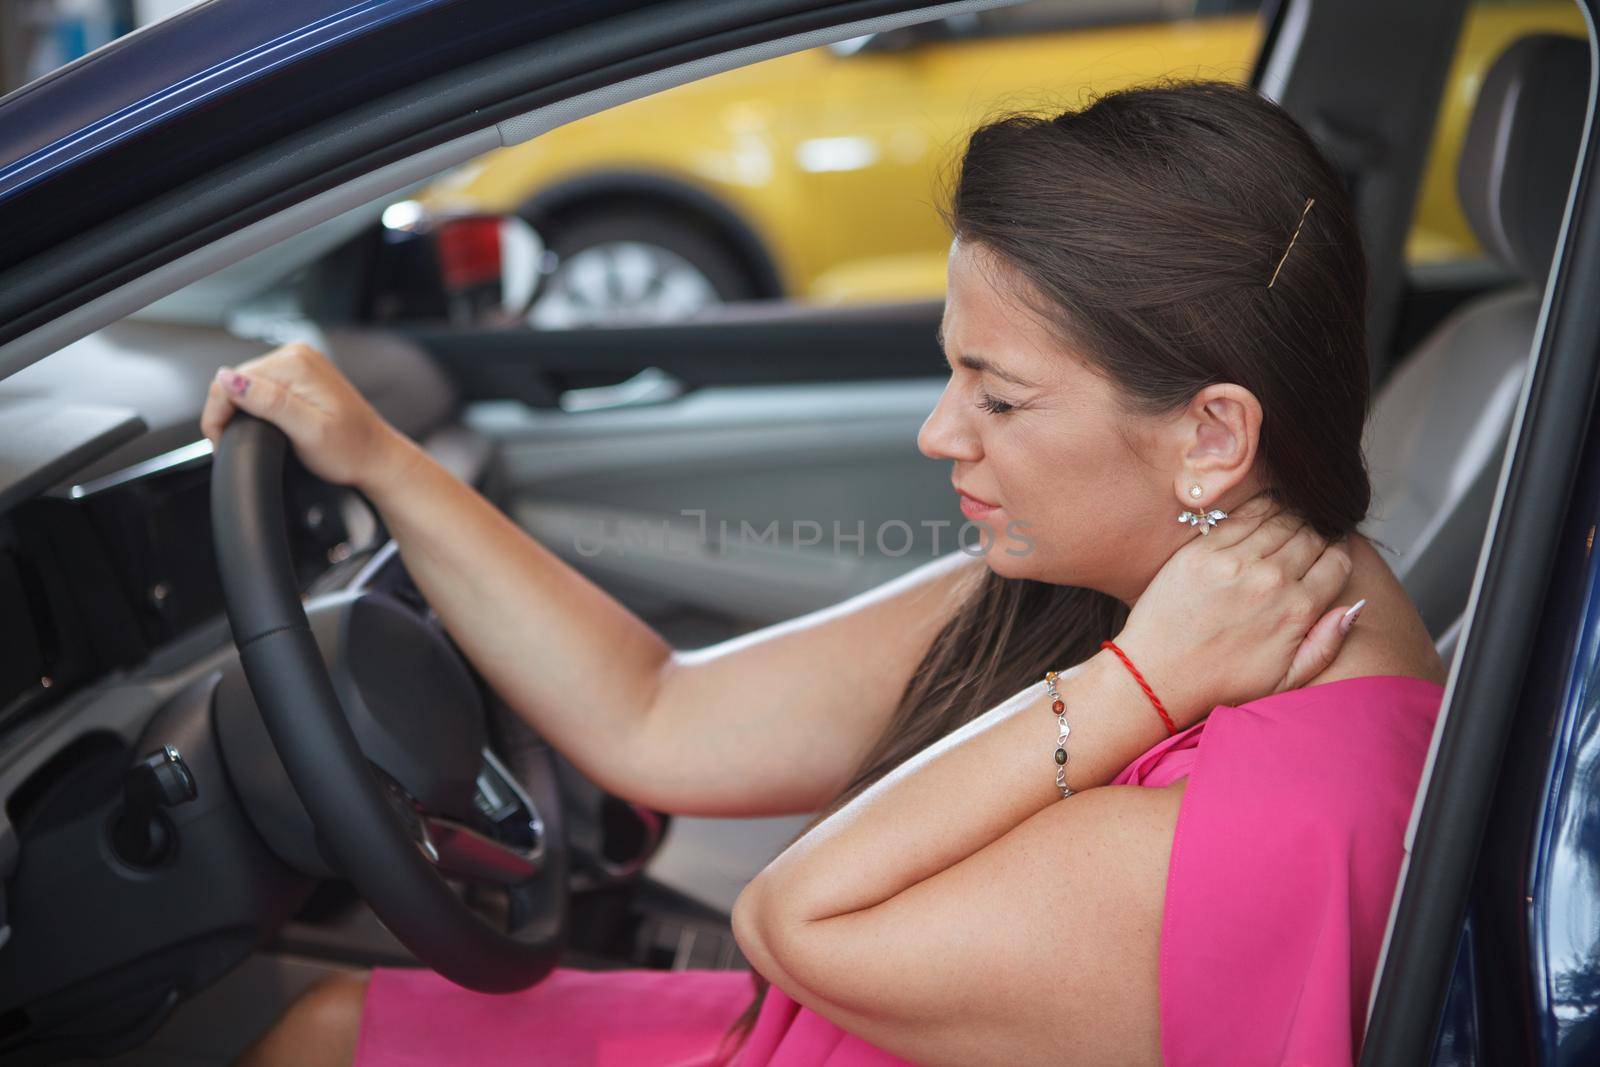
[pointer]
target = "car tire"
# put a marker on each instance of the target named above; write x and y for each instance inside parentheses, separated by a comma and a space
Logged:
(631, 266)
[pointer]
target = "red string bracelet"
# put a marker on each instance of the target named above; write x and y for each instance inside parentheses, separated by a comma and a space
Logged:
(1128, 663)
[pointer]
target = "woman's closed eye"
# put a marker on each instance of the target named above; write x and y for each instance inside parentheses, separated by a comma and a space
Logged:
(994, 405)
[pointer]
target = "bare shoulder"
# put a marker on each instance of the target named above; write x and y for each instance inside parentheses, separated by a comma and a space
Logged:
(1379, 649)
(1390, 637)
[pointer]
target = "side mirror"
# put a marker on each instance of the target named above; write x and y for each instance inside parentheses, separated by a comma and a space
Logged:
(492, 266)
(466, 269)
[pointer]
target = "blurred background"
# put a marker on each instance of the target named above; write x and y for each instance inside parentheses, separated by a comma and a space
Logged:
(37, 36)
(812, 177)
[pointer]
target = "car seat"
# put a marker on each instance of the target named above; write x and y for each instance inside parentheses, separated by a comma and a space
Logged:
(1439, 426)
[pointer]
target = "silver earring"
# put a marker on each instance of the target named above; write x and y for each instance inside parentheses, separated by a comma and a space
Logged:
(1194, 492)
(1203, 521)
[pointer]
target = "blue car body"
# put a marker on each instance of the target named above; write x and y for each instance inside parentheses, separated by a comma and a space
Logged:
(164, 106)
(153, 110)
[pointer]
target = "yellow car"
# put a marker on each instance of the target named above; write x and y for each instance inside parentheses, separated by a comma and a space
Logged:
(814, 176)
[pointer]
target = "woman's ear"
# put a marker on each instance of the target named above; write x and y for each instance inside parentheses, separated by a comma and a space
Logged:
(1218, 433)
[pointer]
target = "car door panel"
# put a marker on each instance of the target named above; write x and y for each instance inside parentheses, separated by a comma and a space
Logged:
(756, 503)
(793, 423)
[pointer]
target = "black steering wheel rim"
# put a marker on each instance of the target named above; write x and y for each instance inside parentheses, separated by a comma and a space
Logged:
(361, 832)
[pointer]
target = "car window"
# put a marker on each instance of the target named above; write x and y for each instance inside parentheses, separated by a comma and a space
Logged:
(1439, 232)
(811, 178)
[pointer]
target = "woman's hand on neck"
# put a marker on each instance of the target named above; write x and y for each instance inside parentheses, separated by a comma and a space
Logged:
(1247, 610)
(1391, 638)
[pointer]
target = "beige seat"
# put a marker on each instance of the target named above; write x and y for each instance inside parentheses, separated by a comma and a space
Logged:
(1440, 423)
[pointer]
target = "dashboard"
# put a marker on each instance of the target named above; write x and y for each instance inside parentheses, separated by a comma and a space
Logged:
(96, 576)
(112, 909)
(117, 649)
(105, 546)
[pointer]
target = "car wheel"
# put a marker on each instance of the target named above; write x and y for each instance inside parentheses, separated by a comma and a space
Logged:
(631, 266)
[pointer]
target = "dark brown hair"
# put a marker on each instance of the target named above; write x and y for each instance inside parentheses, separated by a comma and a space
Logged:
(1145, 228)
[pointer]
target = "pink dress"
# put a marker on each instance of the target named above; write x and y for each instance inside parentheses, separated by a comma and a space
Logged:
(1283, 866)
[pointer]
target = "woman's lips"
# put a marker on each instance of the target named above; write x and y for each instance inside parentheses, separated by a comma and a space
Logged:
(973, 508)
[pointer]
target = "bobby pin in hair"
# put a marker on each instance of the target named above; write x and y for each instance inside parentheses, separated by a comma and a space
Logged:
(1304, 212)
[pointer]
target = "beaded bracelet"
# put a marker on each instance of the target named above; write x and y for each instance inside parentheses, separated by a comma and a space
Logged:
(1060, 709)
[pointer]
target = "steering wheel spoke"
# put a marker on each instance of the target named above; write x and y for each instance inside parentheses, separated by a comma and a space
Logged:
(461, 852)
(465, 853)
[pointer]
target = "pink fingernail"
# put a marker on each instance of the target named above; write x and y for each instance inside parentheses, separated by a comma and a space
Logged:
(1349, 619)
(235, 382)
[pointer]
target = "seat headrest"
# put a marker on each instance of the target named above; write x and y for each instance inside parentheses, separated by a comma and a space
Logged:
(1520, 148)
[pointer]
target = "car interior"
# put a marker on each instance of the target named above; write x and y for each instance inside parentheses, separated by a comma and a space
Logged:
(642, 454)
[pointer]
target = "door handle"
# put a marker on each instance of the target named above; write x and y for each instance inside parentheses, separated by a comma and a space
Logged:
(650, 386)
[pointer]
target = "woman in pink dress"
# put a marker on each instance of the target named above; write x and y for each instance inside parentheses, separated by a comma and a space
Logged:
(1181, 848)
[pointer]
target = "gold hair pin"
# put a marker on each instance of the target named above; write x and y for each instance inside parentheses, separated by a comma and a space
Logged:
(1306, 211)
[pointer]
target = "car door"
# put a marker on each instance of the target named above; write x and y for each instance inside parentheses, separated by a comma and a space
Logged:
(721, 474)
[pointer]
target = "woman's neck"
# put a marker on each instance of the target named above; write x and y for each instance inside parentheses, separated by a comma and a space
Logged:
(1389, 637)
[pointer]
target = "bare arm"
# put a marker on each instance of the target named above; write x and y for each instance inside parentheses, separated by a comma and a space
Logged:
(768, 723)
(961, 910)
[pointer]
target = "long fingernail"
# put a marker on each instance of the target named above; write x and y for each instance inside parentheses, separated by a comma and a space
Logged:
(1349, 619)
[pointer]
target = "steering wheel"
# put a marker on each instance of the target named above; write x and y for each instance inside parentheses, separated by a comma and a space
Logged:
(388, 818)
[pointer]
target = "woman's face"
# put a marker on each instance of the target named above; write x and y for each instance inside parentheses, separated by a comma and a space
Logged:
(1082, 491)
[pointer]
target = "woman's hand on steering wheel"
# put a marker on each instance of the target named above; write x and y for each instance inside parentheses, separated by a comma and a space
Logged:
(1241, 613)
(334, 431)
